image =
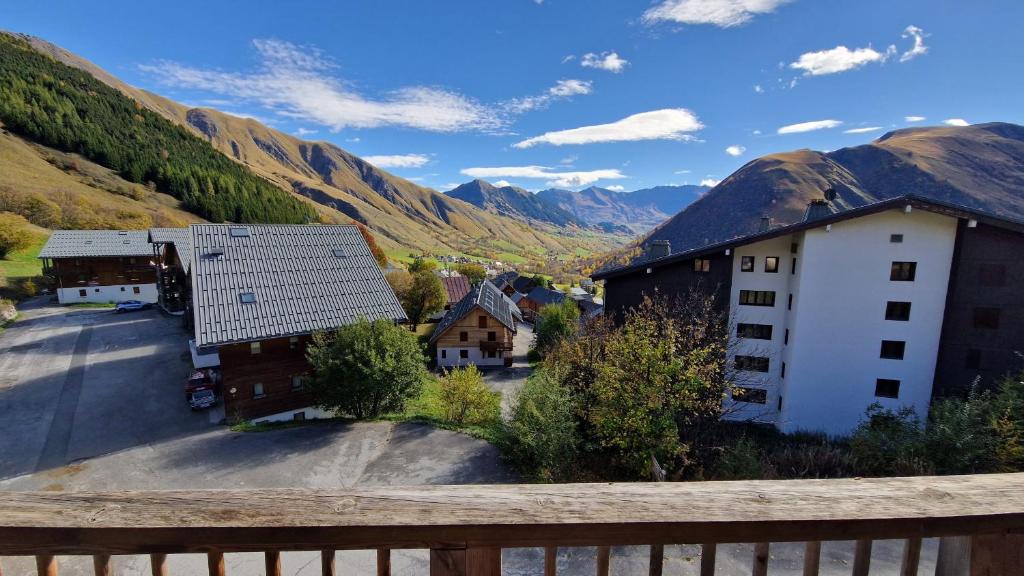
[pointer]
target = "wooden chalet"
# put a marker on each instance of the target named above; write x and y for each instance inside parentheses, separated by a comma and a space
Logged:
(478, 330)
(100, 265)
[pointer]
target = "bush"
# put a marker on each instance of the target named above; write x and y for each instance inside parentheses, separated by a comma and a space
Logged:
(540, 433)
(960, 438)
(742, 461)
(365, 369)
(14, 233)
(465, 399)
(475, 272)
(890, 443)
(555, 323)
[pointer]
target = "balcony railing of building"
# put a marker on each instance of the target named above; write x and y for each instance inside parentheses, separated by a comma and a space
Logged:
(495, 345)
(466, 527)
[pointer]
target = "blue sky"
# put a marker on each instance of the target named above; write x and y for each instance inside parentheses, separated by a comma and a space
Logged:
(562, 93)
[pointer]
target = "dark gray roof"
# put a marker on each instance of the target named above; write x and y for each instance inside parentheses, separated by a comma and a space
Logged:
(301, 279)
(96, 243)
(180, 237)
(487, 296)
(544, 296)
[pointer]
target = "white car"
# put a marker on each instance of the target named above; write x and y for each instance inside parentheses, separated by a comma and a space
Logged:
(131, 306)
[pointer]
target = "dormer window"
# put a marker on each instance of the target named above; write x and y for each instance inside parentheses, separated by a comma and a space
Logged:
(247, 297)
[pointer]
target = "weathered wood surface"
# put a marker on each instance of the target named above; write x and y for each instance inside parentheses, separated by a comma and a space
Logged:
(509, 516)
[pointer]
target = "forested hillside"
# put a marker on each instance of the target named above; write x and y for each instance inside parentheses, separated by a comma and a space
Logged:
(69, 110)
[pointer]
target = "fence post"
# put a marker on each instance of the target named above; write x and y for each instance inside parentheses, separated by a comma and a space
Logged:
(954, 558)
(997, 554)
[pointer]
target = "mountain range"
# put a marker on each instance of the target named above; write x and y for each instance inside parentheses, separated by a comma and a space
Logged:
(980, 166)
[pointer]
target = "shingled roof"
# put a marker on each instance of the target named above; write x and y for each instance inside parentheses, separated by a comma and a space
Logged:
(456, 287)
(262, 281)
(487, 297)
(96, 244)
(180, 237)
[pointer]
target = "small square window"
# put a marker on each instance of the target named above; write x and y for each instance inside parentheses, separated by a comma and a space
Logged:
(893, 349)
(257, 390)
(754, 331)
(339, 253)
(973, 359)
(463, 336)
(296, 383)
(751, 395)
(986, 318)
(492, 336)
(481, 322)
(463, 354)
(899, 311)
(701, 265)
(247, 297)
(887, 388)
(903, 271)
(136, 290)
(896, 238)
(299, 416)
(81, 293)
(255, 348)
(747, 264)
(122, 288)
(771, 264)
(491, 354)
(793, 248)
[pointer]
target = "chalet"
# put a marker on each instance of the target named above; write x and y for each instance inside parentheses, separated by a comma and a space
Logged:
(504, 282)
(892, 303)
(100, 265)
(261, 291)
(537, 298)
(172, 254)
(478, 330)
(455, 289)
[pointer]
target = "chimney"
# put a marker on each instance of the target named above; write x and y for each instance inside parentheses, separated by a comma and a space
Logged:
(766, 223)
(817, 208)
(830, 194)
(659, 249)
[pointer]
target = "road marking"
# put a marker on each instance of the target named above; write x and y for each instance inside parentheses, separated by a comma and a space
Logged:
(55, 449)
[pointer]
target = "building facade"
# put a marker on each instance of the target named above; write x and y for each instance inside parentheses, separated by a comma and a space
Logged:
(479, 330)
(881, 304)
(100, 266)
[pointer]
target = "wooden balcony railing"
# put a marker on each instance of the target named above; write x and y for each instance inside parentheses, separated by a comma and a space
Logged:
(466, 527)
(495, 345)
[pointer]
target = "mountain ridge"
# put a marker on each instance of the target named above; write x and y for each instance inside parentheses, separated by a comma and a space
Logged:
(640, 210)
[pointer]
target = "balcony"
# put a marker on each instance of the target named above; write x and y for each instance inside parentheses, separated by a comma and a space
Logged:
(495, 346)
(980, 520)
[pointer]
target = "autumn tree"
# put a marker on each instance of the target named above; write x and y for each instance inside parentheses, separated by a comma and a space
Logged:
(14, 233)
(371, 241)
(475, 272)
(555, 323)
(421, 294)
(466, 399)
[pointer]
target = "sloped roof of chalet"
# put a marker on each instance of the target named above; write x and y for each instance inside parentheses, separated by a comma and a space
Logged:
(181, 238)
(456, 287)
(486, 296)
(544, 296)
(523, 283)
(96, 244)
(300, 279)
(505, 279)
(919, 202)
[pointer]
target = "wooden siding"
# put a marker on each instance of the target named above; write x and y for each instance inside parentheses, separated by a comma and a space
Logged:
(112, 271)
(273, 367)
(469, 324)
(676, 279)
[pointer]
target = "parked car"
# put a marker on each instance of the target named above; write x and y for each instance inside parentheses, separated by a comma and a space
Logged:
(201, 389)
(131, 306)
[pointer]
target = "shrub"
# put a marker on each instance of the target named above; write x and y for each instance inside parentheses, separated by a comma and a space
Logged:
(365, 369)
(475, 272)
(890, 443)
(540, 433)
(741, 461)
(14, 233)
(960, 438)
(466, 399)
(555, 323)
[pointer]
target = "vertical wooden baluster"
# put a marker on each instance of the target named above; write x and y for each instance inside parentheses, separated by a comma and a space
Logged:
(604, 560)
(550, 561)
(862, 558)
(483, 561)
(447, 562)
(46, 565)
(101, 565)
(327, 562)
(812, 558)
(761, 559)
(383, 562)
(657, 559)
(997, 554)
(708, 552)
(911, 557)
(272, 559)
(215, 562)
(954, 556)
(158, 564)
(1, 569)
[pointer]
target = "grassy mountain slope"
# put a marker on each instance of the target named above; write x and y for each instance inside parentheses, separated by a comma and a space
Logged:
(513, 202)
(981, 166)
(640, 210)
(342, 187)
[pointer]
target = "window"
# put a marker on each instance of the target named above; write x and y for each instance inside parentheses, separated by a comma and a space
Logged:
(296, 383)
(81, 293)
(257, 390)
(122, 288)
(893, 349)
(701, 265)
(299, 416)
(992, 275)
(136, 290)
(792, 269)
(481, 322)
(789, 302)
(755, 331)
(782, 373)
(751, 363)
(747, 264)
(986, 318)
(887, 388)
(463, 336)
(793, 248)
(492, 336)
(463, 354)
(780, 403)
(238, 232)
(973, 359)
(785, 337)
(899, 311)
(254, 348)
(444, 353)
(896, 238)
(491, 354)
(293, 342)
(757, 297)
(771, 264)
(903, 271)
(247, 297)
(339, 253)
(751, 395)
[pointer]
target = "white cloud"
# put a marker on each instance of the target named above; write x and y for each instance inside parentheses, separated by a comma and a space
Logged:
(838, 59)
(502, 183)
(735, 150)
(758, 89)
(609, 61)
(304, 132)
(562, 89)
(722, 13)
(862, 130)
(709, 182)
(918, 48)
(568, 58)
(398, 160)
(809, 126)
(667, 124)
(295, 81)
(569, 160)
(355, 139)
(616, 188)
(914, 118)
(757, 132)
(956, 122)
(552, 176)
(682, 171)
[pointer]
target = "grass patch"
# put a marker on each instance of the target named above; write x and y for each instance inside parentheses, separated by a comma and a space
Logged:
(92, 305)
(511, 258)
(427, 408)
(24, 263)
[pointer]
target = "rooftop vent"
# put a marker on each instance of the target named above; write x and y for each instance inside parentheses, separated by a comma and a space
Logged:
(765, 224)
(126, 242)
(215, 253)
(659, 248)
(238, 232)
(88, 242)
(339, 253)
(247, 297)
(122, 233)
